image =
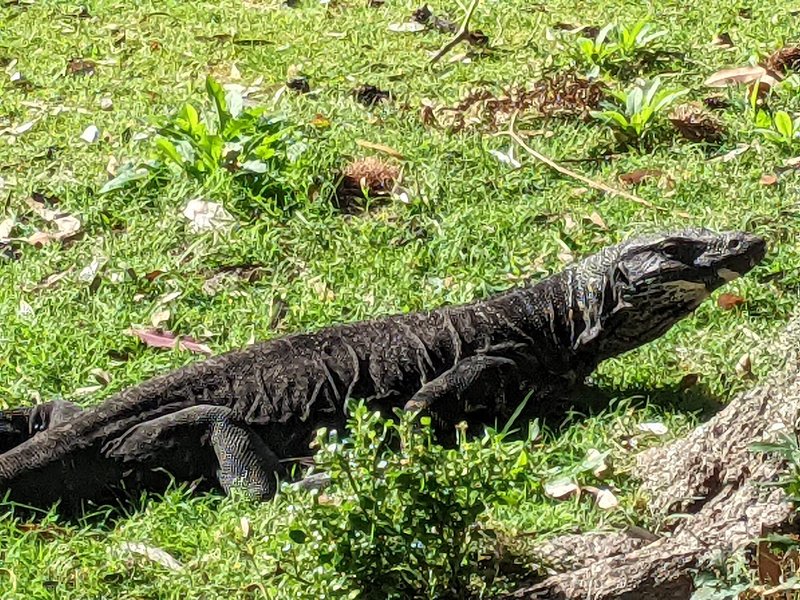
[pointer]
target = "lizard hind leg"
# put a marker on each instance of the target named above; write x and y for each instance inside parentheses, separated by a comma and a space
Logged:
(201, 440)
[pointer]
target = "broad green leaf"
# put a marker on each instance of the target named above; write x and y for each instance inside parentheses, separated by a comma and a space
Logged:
(190, 120)
(783, 124)
(633, 103)
(603, 34)
(651, 90)
(217, 95)
(235, 102)
(254, 166)
(669, 99)
(169, 151)
(125, 177)
(298, 536)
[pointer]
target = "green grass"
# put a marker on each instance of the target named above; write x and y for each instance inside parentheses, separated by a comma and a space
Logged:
(482, 226)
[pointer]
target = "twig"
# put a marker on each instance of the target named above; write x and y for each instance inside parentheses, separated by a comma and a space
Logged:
(511, 132)
(462, 34)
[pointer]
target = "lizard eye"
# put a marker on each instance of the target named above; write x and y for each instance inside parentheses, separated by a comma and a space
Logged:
(733, 244)
(671, 250)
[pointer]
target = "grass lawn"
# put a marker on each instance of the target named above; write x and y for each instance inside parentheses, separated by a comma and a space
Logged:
(471, 225)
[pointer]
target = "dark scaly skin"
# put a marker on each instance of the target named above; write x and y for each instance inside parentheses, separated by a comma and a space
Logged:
(475, 362)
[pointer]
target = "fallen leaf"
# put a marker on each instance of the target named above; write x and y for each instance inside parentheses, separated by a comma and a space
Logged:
(640, 175)
(380, 148)
(153, 275)
(106, 103)
(81, 66)
(6, 227)
(156, 555)
(102, 377)
(654, 428)
(67, 226)
(603, 497)
(768, 179)
(168, 297)
(792, 162)
(507, 158)
(735, 153)
(596, 462)
(91, 134)
(89, 272)
(22, 128)
(320, 121)
(688, 381)
(322, 291)
(87, 390)
(770, 571)
(409, 27)
(25, 310)
(370, 95)
(160, 317)
(744, 366)
(765, 85)
(735, 76)
(729, 301)
(206, 215)
(598, 220)
(561, 489)
(244, 523)
(723, 40)
(156, 338)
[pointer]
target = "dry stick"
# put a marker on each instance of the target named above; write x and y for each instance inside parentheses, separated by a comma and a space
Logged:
(461, 35)
(564, 171)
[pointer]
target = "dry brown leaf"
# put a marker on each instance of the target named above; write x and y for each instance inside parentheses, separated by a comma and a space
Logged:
(87, 390)
(160, 317)
(655, 428)
(168, 297)
(206, 215)
(6, 227)
(784, 60)
(156, 338)
(598, 220)
(769, 566)
(729, 301)
(81, 66)
(688, 381)
(733, 154)
(696, 124)
(156, 555)
(744, 367)
(380, 148)
(735, 76)
(604, 498)
(67, 225)
(102, 377)
(561, 489)
(723, 41)
(640, 175)
(768, 179)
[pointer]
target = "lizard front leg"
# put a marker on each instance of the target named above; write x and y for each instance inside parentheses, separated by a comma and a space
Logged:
(476, 388)
(185, 442)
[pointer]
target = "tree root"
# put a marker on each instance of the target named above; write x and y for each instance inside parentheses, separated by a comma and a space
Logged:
(711, 491)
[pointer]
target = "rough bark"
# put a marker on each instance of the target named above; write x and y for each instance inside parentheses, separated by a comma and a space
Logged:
(707, 490)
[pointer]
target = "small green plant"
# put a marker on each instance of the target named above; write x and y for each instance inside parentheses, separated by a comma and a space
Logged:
(634, 117)
(616, 44)
(409, 524)
(780, 129)
(247, 145)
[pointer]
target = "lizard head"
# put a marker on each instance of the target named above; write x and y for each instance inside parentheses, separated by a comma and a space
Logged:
(639, 289)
